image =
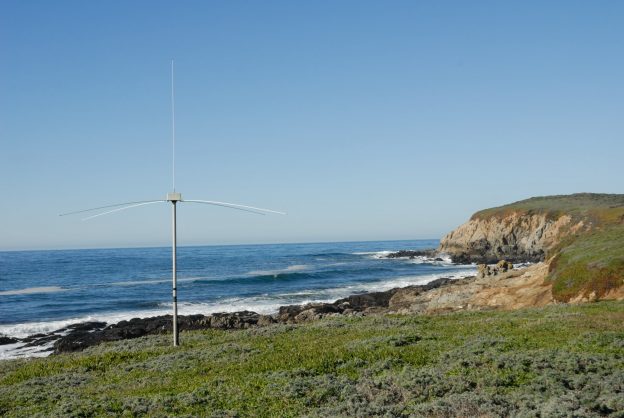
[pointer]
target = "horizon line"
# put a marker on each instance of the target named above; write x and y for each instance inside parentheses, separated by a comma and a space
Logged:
(215, 245)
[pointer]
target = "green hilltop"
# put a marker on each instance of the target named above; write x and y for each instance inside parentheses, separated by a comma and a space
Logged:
(599, 207)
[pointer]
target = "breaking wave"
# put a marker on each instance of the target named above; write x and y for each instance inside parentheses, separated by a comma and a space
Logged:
(33, 290)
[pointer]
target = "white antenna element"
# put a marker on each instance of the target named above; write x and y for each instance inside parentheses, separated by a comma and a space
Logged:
(172, 128)
(174, 198)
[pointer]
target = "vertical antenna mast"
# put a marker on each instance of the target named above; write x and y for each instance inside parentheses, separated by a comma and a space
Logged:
(174, 198)
(172, 127)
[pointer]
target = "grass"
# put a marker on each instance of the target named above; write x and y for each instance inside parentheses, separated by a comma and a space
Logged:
(560, 360)
(592, 263)
(579, 206)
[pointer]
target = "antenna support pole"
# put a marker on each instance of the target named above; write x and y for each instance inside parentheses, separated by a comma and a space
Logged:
(174, 198)
(176, 341)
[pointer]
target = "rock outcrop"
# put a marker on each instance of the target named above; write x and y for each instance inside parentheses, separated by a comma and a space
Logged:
(431, 253)
(513, 289)
(80, 336)
(485, 270)
(516, 237)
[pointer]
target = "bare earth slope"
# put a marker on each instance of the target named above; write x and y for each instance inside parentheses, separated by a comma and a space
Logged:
(511, 290)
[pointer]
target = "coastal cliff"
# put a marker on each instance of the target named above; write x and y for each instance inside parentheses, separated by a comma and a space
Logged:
(515, 236)
(579, 237)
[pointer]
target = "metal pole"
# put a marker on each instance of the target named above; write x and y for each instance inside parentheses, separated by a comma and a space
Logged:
(175, 290)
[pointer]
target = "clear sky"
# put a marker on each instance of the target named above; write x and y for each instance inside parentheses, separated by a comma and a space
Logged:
(363, 120)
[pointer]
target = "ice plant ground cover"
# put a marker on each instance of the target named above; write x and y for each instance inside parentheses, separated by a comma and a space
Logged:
(559, 360)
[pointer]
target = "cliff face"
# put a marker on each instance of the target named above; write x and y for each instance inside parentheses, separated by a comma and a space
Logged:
(516, 237)
(581, 234)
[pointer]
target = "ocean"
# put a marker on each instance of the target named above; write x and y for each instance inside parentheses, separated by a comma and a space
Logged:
(42, 291)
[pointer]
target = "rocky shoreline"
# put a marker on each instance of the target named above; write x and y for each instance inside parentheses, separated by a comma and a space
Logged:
(77, 337)
(494, 287)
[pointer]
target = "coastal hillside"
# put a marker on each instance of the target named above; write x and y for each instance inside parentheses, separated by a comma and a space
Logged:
(579, 236)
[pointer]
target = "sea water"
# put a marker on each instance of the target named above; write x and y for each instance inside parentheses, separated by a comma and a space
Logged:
(42, 291)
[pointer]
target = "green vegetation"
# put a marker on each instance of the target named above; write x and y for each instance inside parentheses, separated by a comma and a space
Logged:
(589, 261)
(557, 361)
(593, 206)
(592, 263)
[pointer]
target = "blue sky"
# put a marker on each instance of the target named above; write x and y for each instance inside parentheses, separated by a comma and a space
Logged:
(362, 120)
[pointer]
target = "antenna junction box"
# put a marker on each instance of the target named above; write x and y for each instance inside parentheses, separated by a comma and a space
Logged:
(174, 197)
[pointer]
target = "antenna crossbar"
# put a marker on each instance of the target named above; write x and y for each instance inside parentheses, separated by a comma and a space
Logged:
(236, 206)
(108, 206)
(123, 208)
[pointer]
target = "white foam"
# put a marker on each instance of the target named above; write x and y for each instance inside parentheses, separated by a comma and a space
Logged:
(43, 327)
(269, 304)
(139, 282)
(375, 254)
(33, 290)
(17, 350)
(446, 259)
(289, 269)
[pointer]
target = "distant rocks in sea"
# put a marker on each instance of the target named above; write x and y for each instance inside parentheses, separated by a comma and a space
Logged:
(431, 254)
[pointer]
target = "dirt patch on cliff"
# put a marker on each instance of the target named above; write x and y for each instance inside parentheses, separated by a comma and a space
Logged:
(516, 289)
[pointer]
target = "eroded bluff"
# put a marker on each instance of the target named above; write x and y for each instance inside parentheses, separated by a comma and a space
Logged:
(516, 237)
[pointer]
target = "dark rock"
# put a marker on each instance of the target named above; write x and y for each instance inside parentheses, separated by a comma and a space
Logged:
(512, 255)
(42, 340)
(8, 340)
(413, 253)
(264, 320)
(288, 313)
(86, 335)
(75, 342)
(234, 320)
(442, 281)
(87, 326)
(33, 337)
(368, 300)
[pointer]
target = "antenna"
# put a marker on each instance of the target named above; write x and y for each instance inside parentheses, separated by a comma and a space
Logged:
(173, 197)
(172, 128)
